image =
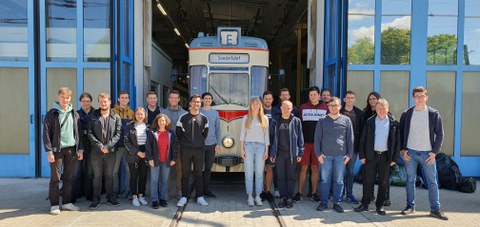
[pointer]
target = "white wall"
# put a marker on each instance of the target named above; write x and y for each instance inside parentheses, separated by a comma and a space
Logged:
(161, 69)
(138, 52)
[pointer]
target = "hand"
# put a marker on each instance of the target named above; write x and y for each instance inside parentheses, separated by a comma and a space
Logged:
(321, 159)
(431, 159)
(217, 148)
(265, 155)
(392, 163)
(405, 155)
(141, 154)
(51, 158)
(299, 159)
(80, 156)
(151, 163)
(244, 155)
(272, 159)
(363, 160)
(172, 163)
(346, 159)
(104, 150)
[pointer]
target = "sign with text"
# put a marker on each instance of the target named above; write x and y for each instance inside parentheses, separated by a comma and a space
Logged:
(229, 58)
(229, 37)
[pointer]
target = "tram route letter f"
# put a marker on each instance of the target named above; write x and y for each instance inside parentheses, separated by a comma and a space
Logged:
(229, 38)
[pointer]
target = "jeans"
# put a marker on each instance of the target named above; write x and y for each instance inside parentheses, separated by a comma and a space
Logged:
(285, 171)
(121, 184)
(102, 165)
(349, 176)
(207, 170)
(332, 166)
(67, 157)
(159, 174)
(430, 171)
(197, 156)
(254, 163)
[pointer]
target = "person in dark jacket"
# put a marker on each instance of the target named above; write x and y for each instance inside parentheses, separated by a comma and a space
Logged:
(104, 133)
(161, 156)
(379, 149)
(191, 131)
(369, 109)
(63, 146)
(286, 151)
(135, 140)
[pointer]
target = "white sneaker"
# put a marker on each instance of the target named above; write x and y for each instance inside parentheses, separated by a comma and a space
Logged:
(250, 201)
(70, 206)
(55, 210)
(135, 202)
(276, 194)
(258, 201)
(142, 200)
(182, 202)
(201, 201)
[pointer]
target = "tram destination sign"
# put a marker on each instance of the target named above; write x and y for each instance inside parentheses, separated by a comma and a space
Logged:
(229, 58)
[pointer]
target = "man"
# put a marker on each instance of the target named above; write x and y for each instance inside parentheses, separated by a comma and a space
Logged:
(212, 143)
(286, 152)
(356, 117)
(63, 146)
(379, 149)
(104, 133)
(310, 112)
(284, 95)
(192, 130)
(83, 169)
(326, 95)
(152, 109)
(421, 132)
(333, 146)
(267, 101)
(174, 111)
(122, 183)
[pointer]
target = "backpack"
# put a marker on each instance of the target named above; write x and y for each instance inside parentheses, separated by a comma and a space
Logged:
(398, 176)
(468, 185)
(449, 176)
(360, 174)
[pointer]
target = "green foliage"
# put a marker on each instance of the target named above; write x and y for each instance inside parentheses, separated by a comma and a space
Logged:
(362, 52)
(395, 47)
(442, 49)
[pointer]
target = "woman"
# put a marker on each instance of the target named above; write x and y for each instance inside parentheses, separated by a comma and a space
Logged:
(254, 142)
(369, 109)
(135, 139)
(161, 155)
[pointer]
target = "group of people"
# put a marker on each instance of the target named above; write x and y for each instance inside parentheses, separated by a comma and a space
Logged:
(321, 137)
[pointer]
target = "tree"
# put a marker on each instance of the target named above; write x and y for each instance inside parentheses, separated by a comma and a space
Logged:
(395, 47)
(442, 49)
(362, 52)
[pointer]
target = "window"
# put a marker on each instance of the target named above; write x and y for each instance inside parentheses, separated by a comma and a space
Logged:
(13, 30)
(395, 37)
(361, 16)
(442, 32)
(61, 30)
(471, 39)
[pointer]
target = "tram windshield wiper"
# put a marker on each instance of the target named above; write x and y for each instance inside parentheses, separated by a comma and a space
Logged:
(215, 91)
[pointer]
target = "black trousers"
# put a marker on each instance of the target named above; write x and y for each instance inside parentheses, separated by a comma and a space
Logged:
(197, 156)
(102, 165)
(138, 176)
(285, 171)
(207, 171)
(67, 157)
(381, 166)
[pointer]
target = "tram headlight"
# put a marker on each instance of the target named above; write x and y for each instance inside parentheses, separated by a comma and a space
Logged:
(227, 142)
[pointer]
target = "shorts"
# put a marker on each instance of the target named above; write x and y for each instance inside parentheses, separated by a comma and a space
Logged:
(309, 156)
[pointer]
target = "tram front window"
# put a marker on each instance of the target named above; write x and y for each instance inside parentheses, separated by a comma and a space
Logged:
(229, 88)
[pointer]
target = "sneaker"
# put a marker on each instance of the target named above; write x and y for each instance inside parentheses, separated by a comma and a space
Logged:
(250, 201)
(135, 202)
(338, 208)
(163, 203)
(55, 210)
(322, 207)
(282, 203)
(276, 194)
(408, 210)
(113, 202)
(70, 207)
(289, 203)
(155, 204)
(182, 201)
(201, 201)
(381, 211)
(258, 201)
(351, 199)
(94, 205)
(316, 197)
(438, 214)
(298, 197)
(142, 200)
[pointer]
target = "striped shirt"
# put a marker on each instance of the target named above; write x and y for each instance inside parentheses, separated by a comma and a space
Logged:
(141, 133)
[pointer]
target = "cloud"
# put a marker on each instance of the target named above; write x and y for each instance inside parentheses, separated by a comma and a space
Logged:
(360, 10)
(400, 22)
(363, 31)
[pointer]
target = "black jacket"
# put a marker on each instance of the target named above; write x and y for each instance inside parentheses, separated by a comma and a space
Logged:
(367, 140)
(192, 130)
(113, 132)
(130, 139)
(151, 147)
(360, 118)
(435, 127)
(83, 127)
(51, 131)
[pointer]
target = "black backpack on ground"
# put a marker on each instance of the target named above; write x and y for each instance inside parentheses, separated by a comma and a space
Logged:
(449, 176)
(468, 185)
